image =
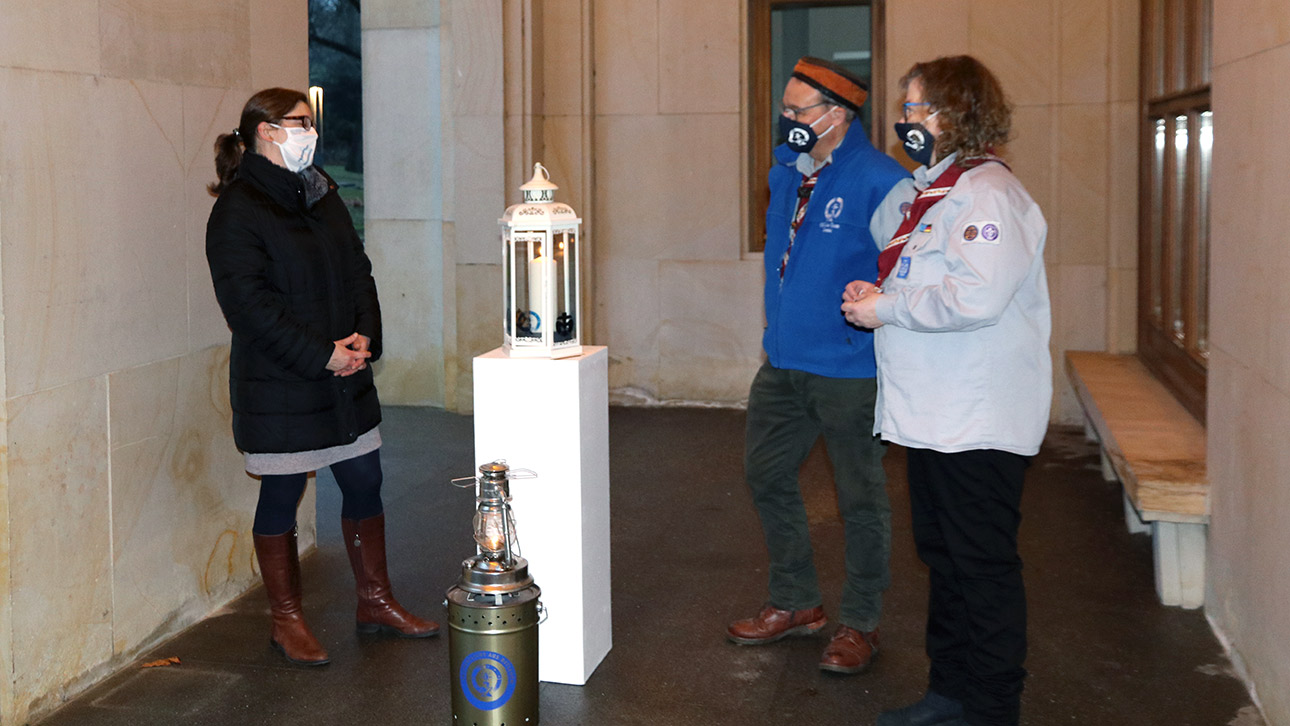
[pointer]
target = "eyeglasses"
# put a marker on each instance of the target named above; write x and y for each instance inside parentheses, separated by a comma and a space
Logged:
(306, 122)
(913, 104)
(793, 111)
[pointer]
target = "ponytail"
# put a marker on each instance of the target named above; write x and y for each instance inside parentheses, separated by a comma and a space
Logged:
(228, 157)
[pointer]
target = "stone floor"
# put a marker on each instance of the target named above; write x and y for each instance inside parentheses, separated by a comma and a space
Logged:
(688, 557)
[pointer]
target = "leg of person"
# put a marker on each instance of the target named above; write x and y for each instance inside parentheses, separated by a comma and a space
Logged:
(845, 408)
(780, 433)
(274, 536)
(363, 524)
(980, 516)
(946, 637)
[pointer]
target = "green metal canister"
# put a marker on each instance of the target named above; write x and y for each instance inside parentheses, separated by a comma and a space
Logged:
(493, 619)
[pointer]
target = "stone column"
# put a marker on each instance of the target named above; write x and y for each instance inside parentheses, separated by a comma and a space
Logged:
(408, 238)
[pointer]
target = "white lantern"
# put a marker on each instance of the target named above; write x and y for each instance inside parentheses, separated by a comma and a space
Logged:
(542, 315)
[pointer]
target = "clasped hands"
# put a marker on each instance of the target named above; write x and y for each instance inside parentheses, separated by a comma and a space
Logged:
(350, 355)
(860, 302)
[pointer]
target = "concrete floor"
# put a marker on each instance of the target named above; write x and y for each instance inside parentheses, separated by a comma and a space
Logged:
(688, 558)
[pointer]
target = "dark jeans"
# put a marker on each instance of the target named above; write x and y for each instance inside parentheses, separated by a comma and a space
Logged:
(787, 412)
(966, 511)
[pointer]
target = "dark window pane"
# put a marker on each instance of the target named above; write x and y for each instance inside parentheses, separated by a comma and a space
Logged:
(1202, 237)
(841, 34)
(1178, 227)
(1155, 251)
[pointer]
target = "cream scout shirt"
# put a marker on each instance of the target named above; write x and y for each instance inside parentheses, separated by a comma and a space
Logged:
(963, 359)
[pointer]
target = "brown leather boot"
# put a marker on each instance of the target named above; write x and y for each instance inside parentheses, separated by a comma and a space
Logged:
(377, 608)
(850, 651)
(280, 569)
(772, 624)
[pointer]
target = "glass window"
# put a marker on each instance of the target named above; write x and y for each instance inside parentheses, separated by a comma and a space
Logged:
(1173, 259)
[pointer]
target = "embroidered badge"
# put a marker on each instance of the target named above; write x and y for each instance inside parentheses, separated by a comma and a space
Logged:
(986, 232)
(904, 209)
(925, 227)
(903, 271)
(833, 209)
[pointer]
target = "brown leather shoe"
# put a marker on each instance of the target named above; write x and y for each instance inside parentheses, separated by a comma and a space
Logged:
(280, 569)
(850, 651)
(772, 624)
(378, 611)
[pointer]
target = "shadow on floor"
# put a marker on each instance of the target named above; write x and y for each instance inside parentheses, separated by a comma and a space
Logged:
(688, 558)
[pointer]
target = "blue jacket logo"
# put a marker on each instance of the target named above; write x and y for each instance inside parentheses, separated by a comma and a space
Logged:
(833, 209)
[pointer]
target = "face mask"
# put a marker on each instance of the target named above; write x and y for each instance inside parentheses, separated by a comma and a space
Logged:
(298, 149)
(918, 141)
(801, 137)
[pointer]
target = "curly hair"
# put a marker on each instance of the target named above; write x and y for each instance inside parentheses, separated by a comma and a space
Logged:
(975, 115)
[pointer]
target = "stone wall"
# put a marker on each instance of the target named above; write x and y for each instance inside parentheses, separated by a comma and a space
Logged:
(1249, 363)
(124, 511)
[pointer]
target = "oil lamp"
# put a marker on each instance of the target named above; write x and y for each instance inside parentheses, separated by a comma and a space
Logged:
(493, 614)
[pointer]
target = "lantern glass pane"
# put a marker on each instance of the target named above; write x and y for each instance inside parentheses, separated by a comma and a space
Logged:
(566, 288)
(508, 302)
(529, 313)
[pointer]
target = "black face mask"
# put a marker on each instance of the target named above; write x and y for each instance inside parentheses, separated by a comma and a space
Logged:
(798, 136)
(918, 142)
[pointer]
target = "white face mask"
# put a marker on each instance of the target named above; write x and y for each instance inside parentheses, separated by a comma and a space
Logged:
(298, 149)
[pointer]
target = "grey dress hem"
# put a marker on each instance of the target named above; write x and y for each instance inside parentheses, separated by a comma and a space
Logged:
(298, 462)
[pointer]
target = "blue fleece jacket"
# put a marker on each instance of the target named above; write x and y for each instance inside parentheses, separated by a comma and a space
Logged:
(805, 329)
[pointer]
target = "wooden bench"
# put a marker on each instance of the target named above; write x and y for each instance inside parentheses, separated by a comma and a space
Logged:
(1156, 449)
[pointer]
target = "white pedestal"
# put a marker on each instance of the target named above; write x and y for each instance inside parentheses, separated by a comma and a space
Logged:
(552, 416)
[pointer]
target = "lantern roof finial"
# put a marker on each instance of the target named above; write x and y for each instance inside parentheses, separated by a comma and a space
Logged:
(540, 189)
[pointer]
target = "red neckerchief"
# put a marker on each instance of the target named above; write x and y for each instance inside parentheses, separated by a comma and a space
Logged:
(923, 202)
(803, 196)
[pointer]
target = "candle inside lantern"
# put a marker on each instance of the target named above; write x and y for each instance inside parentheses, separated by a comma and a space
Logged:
(541, 291)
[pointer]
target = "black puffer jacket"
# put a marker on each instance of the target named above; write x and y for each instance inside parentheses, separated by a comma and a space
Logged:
(290, 280)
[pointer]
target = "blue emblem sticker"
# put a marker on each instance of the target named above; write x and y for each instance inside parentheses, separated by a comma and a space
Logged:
(903, 271)
(904, 209)
(487, 679)
(990, 232)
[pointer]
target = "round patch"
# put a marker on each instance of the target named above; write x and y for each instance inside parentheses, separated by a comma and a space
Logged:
(904, 209)
(990, 232)
(487, 679)
(833, 209)
(970, 233)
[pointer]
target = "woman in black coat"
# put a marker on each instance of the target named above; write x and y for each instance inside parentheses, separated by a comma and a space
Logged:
(297, 291)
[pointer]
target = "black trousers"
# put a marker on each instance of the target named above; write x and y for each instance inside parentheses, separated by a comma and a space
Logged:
(966, 511)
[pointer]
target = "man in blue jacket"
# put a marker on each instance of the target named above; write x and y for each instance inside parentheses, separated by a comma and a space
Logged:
(834, 200)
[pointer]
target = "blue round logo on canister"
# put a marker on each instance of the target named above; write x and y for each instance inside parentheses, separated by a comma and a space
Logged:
(487, 679)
